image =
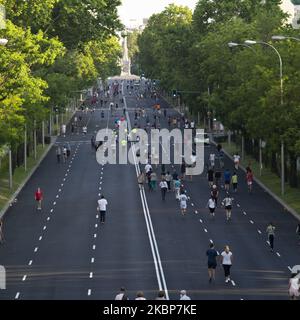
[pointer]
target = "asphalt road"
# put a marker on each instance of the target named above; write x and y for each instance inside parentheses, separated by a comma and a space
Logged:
(63, 252)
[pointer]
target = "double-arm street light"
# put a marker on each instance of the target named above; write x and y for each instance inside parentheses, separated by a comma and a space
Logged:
(252, 42)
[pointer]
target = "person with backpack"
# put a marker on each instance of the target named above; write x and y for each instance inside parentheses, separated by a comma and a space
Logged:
(122, 295)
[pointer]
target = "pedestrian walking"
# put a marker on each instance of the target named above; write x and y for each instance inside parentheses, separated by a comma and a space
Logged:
(298, 232)
(174, 178)
(140, 296)
(212, 158)
(68, 149)
(58, 154)
(227, 203)
(141, 180)
(64, 153)
(183, 203)
(271, 235)
(160, 295)
(39, 198)
(249, 179)
(227, 258)
(153, 180)
(236, 160)
(227, 179)
(168, 178)
(184, 296)
(177, 186)
(210, 177)
(164, 188)
(93, 142)
(211, 262)
(84, 130)
(63, 130)
(294, 287)
(183, 169)
(1, 231)
(211, 205)
(215, 193)
(102, 204)
(234, 181)
(218, 176)
(122, 295)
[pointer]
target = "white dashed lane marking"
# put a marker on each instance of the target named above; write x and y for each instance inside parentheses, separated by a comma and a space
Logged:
(89, 292)
(54, 203)
(210, 240)
(36, 249)
(17, 295)
(290, 268)
(24, 278)
(238, 205)
(40, 238)
(97, 216)
(44, 228)
(48, 219)
(96, 225)
(94, 247)
(92, 260)
(259, 231)
(278, 254)
(91, 275)
(201, 221)
(244, 213)
(251, 222)
(30, 263)
(95, 235)
(233, 283)
(205, 230)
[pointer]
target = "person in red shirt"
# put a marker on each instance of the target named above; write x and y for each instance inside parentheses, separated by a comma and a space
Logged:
(39, 198)
(249, 178)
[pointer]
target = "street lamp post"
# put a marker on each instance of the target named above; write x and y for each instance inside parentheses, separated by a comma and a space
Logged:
(251, 42)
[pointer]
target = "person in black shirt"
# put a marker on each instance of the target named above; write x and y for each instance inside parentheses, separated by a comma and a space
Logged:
(211, 261)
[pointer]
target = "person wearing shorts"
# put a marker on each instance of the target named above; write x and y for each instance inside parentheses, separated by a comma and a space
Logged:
(211, 205)
(183, 203)
(227, 203)
(227, 179)
(211, 262)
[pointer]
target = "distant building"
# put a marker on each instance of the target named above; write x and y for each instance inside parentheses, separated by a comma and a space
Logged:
(296, 18)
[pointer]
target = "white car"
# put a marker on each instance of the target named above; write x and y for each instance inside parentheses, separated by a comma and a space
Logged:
(202, 138)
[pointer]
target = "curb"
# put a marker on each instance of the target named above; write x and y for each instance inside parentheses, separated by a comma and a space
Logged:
(271, 193)
(10, 202)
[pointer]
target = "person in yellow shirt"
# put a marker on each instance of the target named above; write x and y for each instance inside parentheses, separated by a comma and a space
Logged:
(234, 181)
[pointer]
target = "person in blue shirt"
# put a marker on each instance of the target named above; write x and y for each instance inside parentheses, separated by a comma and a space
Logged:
(227, 179)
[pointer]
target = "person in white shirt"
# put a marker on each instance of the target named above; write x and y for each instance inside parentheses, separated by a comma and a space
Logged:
(140, 296)
(122, 295)
(164, 188)
(84, 130)
(148, 167)
(227, 203)
(184, 296)
(236, 160)
(183, 203)
(192, 124)
(212, 158)
(294, 287)
(63, 130)
(211, 205)
(102, 203)
(226, 257)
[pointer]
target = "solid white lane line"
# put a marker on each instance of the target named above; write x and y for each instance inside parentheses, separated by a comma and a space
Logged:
(30, 263)
(94, 247)
(17, 295)
(40, 238)
(278, 254)
(24, 278)
(36, 249)
(92, 260)
(91, 275)
(89, 292)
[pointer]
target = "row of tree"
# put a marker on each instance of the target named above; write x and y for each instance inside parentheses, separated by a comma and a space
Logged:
(55, 48)
(188, 51)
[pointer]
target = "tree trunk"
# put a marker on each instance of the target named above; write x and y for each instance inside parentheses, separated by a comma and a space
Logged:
(274, 168)
(293, 181)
